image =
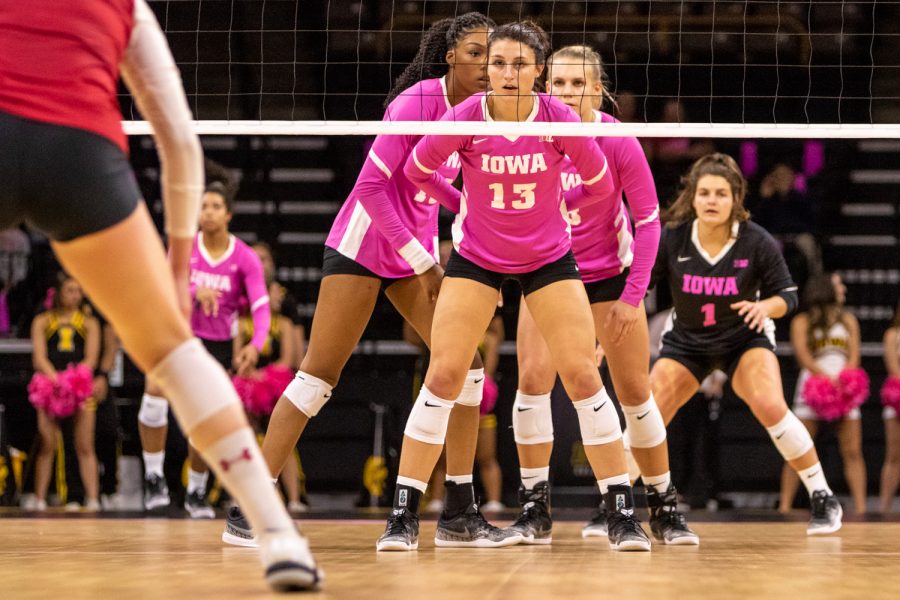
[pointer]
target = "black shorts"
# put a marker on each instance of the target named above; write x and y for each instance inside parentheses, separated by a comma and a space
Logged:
(701, 361)
(63, 181)
(559, 270)
(222, 351)
(335, 263)
(607, 290)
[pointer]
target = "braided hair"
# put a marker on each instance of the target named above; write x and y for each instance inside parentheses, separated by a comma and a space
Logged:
(430, 61)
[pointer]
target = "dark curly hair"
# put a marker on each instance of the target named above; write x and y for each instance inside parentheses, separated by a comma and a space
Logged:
(430, 61)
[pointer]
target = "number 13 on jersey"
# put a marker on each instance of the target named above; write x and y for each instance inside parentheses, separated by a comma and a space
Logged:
(524, 193)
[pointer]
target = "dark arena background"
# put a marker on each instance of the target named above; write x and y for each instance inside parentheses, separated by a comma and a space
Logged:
(819, 63)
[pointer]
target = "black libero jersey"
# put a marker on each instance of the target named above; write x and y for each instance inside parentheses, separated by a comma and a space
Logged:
(749, 267)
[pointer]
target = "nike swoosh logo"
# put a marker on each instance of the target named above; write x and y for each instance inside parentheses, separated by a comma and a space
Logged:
(479, 380)
(520, 409)
(479, 141)
(683, 258)
(596, 408)
(778, 437)
(643, 415)
(813, 475)
(532, 477)
(432, 405)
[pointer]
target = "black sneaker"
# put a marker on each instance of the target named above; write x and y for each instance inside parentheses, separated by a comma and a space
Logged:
(826, 514)
(534, 523)
(401, 531)
(156, 492)
(469, 529)
(624, 530)
(196, 505)
(596, 527)
(237, 529)
(667, 524)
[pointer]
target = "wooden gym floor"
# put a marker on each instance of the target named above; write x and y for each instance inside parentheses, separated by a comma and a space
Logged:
(174, 558)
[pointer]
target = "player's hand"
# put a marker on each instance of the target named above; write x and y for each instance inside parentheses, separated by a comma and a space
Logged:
(246, 360)
(430, 281)
(754, 313)
(209, 301)
(620, 320)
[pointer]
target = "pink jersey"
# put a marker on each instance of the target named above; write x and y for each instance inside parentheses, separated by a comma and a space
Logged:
(509, 218)
(601, 233)
(236, 274)
(403, 241)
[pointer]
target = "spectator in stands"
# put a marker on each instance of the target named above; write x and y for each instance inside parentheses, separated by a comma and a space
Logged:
(66, 334)
(826, 340)
(786, 212)
(15, 249)
(890, 472)
(670, 157)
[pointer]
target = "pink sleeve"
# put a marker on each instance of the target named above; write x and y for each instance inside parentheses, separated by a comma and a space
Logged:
(637, 184)
(587, 157)
(422, 167)
(258, 296)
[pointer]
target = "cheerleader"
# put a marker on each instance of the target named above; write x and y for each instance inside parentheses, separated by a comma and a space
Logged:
(64, 161)
(890, 472)
(826, 341)
(728, 281)
(66, 335)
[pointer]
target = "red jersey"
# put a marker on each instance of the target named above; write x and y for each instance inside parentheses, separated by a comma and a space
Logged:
(59, 62)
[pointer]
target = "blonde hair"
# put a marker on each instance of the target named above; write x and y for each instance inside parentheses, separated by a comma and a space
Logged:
(593, 65)
(682, 209)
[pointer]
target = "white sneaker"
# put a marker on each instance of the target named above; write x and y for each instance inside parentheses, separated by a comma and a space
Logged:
(289, 564)
(92, 506)
(295, 506)
(492, 507)
(435, 506)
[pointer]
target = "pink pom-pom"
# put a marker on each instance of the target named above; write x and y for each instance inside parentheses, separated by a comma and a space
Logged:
(489, 396)
(890, 393)
(41, 390)
(854, 387)
(822, 395)
(77, 380)
(273, 380)
(246, 390)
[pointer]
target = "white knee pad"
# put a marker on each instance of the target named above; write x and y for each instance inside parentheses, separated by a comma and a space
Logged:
(309, 394)
(429, 417)
(154, 411)
(473, 388)
(645, 424)
(598, 419)
(195, 384)
(790, 437)
(532, 419)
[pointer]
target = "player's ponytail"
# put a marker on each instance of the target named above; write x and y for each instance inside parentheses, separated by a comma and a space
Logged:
(682, 209)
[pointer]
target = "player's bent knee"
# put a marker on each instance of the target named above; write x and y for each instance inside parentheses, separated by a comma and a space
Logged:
(154, 411)
(473, 389)
(429, 418)
(646, 428)
(598, 420)
(790, 437)
(532, 419)
(309, 394)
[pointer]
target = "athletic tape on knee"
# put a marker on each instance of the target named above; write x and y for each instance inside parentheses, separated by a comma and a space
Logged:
(195, 384)
(154, 411)
(309, 394)
(645, 424)
(429, 417)
(473, 388)
(598, 420)
(790, 437)
(532, 419)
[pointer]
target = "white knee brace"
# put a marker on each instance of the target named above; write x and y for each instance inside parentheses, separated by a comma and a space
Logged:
(154, 411)
(532, 419)
(309, 394)
(195, 384)
(645, 424)
(429, 417)
(473, 388)
(790, 437)
(598, 419)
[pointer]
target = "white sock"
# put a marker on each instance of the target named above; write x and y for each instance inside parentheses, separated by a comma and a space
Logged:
(814, 479)
(614, 480)
(459, 479)
(153, 463)
(413, 483)
(660, 483)
(197, 481)
(531, 477)
(239, 465)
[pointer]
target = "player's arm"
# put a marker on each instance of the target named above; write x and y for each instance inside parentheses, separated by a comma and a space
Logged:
(422, 168)
(288, 349)
(854, 343)
(800, 343)
(258, 296)
(891, 356)
(596, 182)
(39, 358)
(91, 343)
(778, 290)
(149, 71)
